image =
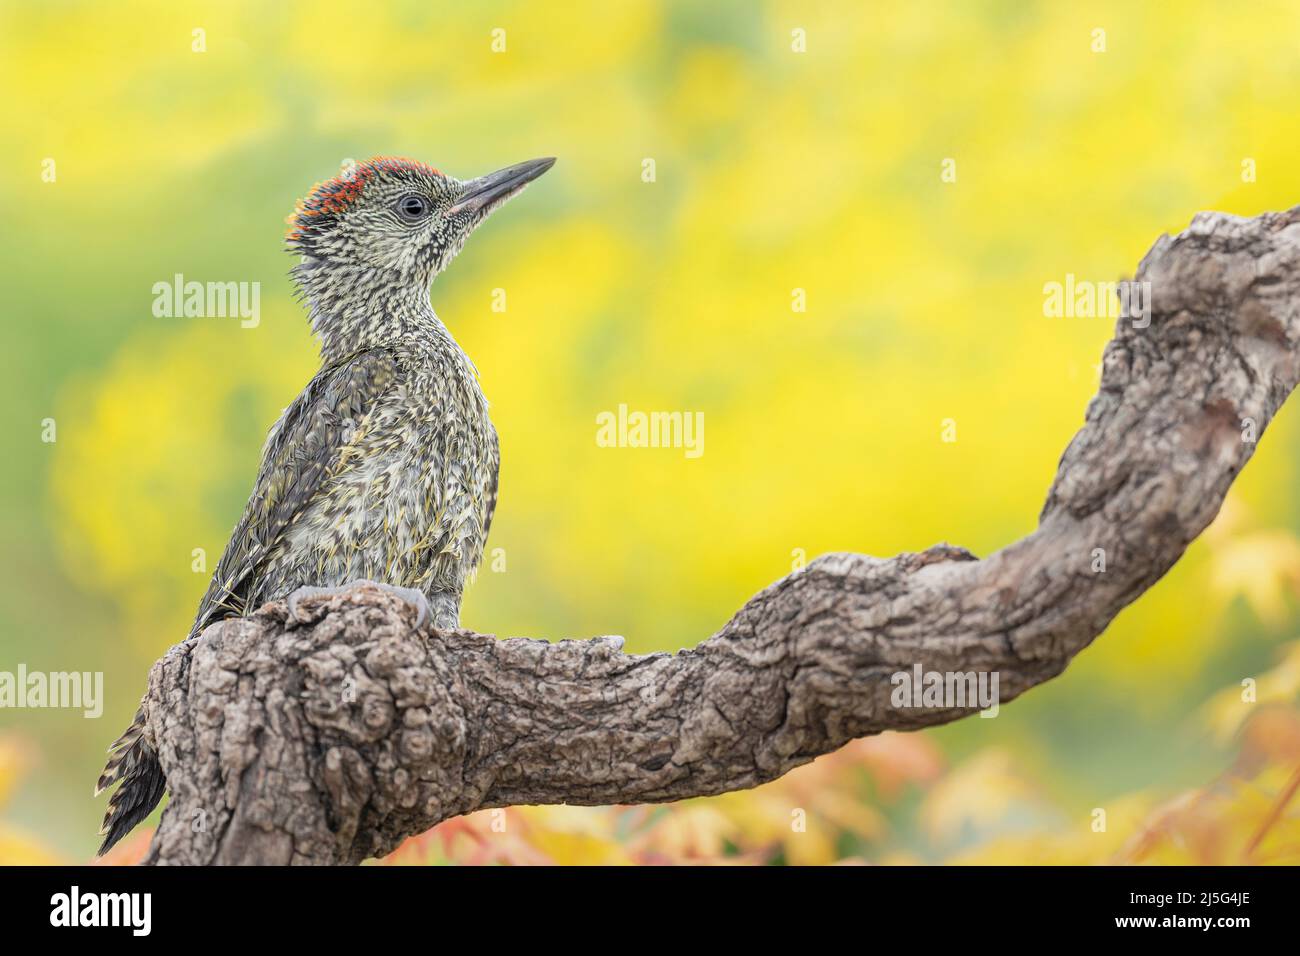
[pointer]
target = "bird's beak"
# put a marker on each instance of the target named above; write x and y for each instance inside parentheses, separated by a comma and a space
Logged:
(485, 193)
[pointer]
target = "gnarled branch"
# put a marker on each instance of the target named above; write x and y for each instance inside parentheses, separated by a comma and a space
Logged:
(331, 737)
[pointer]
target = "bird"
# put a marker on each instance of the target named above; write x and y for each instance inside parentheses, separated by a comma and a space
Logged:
(384, 469)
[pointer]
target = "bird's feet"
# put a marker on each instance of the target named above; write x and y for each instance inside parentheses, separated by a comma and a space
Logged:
(409, 595)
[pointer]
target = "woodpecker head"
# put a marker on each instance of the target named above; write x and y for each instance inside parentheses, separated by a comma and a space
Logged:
(398, 217)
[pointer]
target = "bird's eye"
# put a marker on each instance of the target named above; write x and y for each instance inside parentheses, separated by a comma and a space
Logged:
(413, 208)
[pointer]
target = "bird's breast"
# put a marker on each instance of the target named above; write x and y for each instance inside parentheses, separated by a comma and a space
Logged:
(410, 499)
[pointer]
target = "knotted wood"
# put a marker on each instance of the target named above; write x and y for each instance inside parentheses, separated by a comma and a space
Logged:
(332, 737)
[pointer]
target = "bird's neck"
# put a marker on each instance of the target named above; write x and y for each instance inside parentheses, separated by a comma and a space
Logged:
(353, 308)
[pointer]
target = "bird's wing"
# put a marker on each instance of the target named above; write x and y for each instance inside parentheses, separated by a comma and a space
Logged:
(493, 481)
(304, 448)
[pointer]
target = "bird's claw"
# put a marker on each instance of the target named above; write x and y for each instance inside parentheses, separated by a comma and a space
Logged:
(307, 591)
(409, 595)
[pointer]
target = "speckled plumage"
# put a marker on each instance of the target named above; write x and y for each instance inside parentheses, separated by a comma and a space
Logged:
(385, 466)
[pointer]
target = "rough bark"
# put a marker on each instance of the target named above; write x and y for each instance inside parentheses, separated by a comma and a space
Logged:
(331, 737)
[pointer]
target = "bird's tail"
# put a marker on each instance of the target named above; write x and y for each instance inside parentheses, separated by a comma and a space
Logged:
(133, 762)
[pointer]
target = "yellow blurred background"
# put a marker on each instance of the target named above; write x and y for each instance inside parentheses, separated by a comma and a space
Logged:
(920, 171)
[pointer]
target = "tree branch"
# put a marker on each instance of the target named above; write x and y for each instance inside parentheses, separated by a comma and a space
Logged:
(332, 737)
